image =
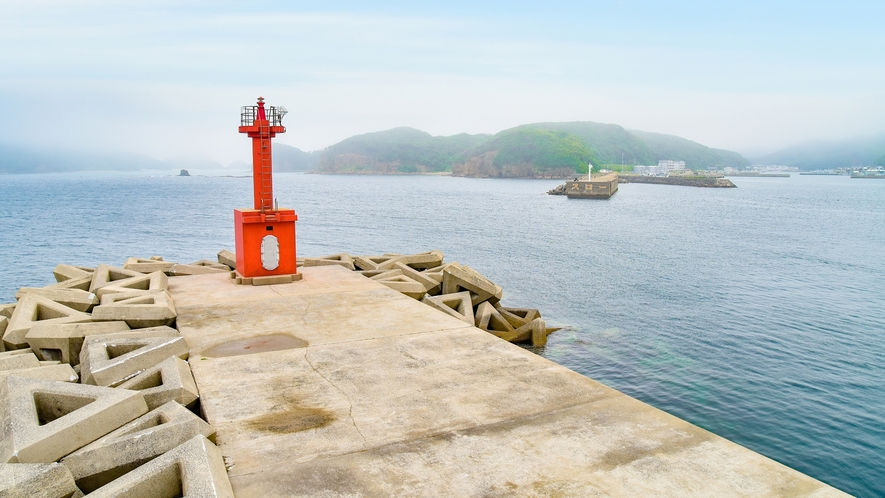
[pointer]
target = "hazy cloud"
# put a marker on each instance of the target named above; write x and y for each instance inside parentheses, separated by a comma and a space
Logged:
(168, 78)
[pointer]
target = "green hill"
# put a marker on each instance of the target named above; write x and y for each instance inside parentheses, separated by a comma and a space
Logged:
(695, 155)
(824, 154)
(881, 161)
(526, 151)
(288, 158)
(531, 150)
(400, 150)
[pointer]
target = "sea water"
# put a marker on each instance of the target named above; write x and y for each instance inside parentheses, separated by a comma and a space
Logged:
(757, 313)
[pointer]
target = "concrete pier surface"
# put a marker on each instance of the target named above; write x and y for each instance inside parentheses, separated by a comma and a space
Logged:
(338, 386)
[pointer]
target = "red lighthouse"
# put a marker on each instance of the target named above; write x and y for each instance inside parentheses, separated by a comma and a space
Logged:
(265, 234)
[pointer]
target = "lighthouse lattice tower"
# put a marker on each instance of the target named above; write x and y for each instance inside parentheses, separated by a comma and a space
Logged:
(265, 234)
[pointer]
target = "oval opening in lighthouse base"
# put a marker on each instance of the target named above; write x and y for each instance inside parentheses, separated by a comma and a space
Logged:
(270, 253)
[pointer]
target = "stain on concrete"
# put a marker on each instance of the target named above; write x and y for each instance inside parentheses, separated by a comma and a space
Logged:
(260, 344)
(294, 419)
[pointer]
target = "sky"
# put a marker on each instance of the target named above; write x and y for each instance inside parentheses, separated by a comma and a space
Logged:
(167, 79)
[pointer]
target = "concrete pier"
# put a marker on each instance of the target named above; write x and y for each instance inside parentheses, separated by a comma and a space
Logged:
(339, 386)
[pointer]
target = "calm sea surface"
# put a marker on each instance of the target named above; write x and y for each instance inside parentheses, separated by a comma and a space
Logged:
(757, 313)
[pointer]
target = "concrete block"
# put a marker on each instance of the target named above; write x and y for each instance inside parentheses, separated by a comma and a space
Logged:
(36, 480)
(457, 278)
(374, 273)
(275, 279)
(515, 320)
(61, 372)
(69, 272)
(77, 299)
(157, 258)
(108, 361)
(458, 305)
(382, 274)
(170, 380)
(405, 285)
(150, 309)
(195, 468)
(155, 281)
(430, 285)
(106, 275)
(534, 331)
(145, 438)
(147, 265)
(33, 309)
(376, 262)
(82, 284)
(7, 309)
(424, 260)
(18, 361)
(185, 270)
(46, 420)
(342, 259)
(4, 323)
(63, 341)
(526, 314)
(208, 263)
(227, 258)
(436, 273)
(17, 351)
(487, 318)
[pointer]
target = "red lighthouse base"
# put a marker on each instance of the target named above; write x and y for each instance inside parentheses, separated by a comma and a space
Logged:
(265, 242)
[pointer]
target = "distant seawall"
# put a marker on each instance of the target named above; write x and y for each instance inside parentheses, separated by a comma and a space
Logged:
(675, 180)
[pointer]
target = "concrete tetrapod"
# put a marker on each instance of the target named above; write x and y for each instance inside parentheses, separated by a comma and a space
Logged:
(61, 373)
(423, 260)
(82, 284)
(108, 361)
(147, 265)
(170, 380)
(46, 420)
(457, 278)
(138, 310)
(376, 262)
(227, 258)
(33, 309)
(64, 272)
(6, 310)
(342, 259)
(195, 468)
(137, 442)
(403, 284)
(36, 480)
(106, 275)
(18, 361)
(430, 285)
(488, 318)
(155, 281)
(63, 341)
(197, 268)
(457, 305)
(77, 299)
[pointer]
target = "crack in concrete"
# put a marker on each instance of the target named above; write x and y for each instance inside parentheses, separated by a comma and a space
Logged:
(349, 402)
(441, 478)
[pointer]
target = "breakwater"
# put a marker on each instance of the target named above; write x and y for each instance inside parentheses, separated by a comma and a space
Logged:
(705, 182)
(335, 384)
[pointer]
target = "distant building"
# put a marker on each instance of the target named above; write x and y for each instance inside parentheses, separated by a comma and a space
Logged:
(646, 170)
(667, 165)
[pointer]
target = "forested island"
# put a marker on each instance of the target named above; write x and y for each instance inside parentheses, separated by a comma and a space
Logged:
(540, 150)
